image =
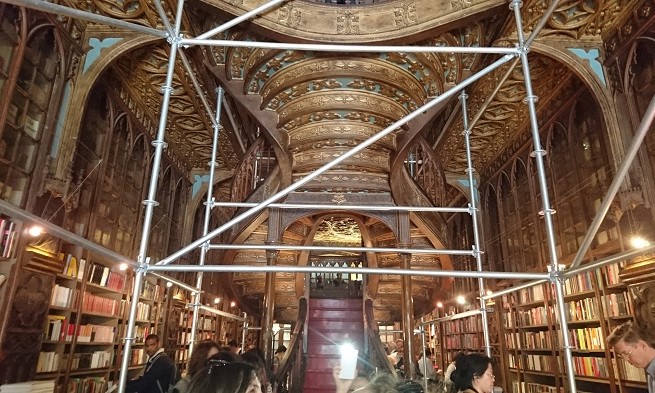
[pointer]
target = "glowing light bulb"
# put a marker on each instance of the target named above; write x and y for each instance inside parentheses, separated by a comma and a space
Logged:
(461, 299)
(35, 231)
(639, 242)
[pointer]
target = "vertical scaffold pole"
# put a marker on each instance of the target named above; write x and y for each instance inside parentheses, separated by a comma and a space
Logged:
(422, 356)
(209, 203)
(538, 154)
(474, 216)
(150, 203)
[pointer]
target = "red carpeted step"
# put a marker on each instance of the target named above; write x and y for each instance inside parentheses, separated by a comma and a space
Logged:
(331, 322)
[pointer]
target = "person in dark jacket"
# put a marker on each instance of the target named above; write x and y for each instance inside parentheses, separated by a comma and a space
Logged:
(158, 372)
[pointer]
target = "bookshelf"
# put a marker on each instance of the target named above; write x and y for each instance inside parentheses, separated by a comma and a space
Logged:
(596, 302)
(8, 43)
(28, 108)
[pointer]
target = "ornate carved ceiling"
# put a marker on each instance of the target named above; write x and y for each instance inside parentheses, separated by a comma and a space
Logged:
(324, 104)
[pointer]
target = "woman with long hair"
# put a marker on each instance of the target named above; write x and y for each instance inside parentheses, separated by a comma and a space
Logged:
(201, 352)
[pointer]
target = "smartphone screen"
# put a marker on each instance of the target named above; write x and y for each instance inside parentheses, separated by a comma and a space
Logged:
(348, 363)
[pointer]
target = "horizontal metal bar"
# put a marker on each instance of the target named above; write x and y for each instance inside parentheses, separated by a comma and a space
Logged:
(22, 215)
(285, 247)
(349, 270)
(350, 207)
(606, 261)
(178, 283)
(460, 315)
(222, 313)
(513, 288)
(46, 6)
(233, 22)
(350, 48)
(70, 237)
(574, 271)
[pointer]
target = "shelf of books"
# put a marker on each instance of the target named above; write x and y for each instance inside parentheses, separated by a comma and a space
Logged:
(148, 321)
(596, 302)
(8, 237)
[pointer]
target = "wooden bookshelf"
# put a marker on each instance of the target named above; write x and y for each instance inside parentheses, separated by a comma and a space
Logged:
(595, 302)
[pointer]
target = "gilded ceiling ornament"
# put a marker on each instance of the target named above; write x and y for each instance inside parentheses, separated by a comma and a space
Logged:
(348, 23)
(289, 15)
(405, 14)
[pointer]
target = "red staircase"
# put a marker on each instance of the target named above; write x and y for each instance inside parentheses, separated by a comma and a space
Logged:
(331, 323)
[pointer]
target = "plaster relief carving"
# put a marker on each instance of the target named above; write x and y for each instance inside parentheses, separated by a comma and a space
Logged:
(405, 15)
(459, 5)
(348, 23)
(289, 16)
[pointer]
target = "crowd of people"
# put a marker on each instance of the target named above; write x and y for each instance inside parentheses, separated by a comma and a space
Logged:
(211, 369)
(215, 369)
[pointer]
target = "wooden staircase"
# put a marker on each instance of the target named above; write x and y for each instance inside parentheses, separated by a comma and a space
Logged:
(331, 323)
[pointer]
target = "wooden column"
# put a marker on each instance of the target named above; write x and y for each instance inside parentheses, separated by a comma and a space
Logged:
(269, 290)
(407, 305)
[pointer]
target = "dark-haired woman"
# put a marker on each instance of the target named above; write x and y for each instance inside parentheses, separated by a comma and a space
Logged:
(473, 373)
(220, 376)
(201, 352)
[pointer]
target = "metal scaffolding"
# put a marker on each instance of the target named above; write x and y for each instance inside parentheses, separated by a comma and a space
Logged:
(556, 274)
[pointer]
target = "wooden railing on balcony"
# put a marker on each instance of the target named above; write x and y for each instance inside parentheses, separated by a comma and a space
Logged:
(257, 164)
(426, 171)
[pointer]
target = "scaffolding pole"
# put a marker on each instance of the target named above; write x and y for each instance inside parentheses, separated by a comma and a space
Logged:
(349, 48)
(538, 155)
(615, 186)
(384, 208)
(208, 212)
(261, 206)
(45, 6)
(291, 247)
(477, 252)
(150, 203)
(349, 270)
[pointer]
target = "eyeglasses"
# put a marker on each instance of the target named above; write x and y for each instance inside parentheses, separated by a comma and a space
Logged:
(625, 355)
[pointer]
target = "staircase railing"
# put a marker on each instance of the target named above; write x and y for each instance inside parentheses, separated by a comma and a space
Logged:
(377, 355)
(256, 166)
(290, 376)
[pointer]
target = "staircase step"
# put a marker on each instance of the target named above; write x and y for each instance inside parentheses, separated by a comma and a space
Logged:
(335, 337)
(334, 326)
(321, 363)
(341, 304)
(320, 380)
(331, 322)
(333, 314)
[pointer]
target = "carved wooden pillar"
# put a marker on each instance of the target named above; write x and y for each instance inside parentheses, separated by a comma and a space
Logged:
(269, 290)
(407, 305)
